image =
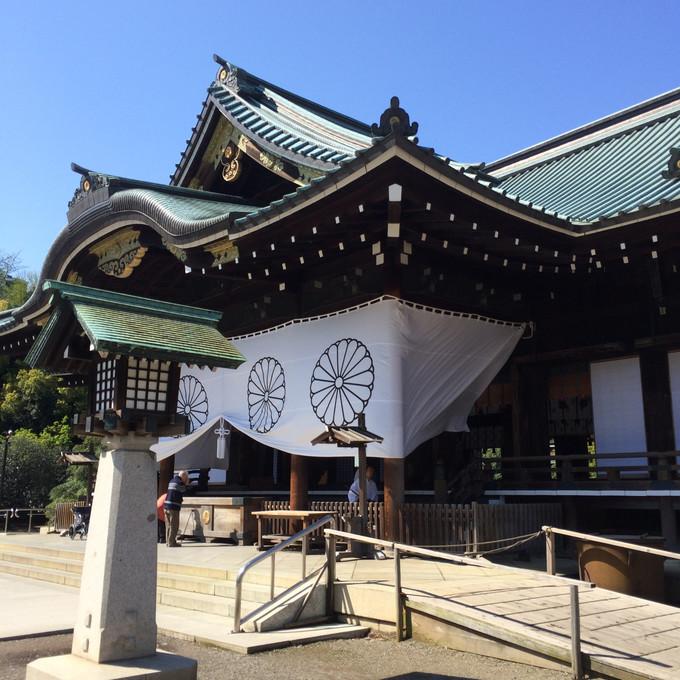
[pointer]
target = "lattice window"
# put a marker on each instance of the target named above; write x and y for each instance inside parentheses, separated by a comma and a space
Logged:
(105, 385)
(147, 384)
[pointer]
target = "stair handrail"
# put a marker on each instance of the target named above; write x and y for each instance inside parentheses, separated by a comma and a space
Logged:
(271, 553)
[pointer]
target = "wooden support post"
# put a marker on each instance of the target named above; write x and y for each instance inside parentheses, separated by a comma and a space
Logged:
(475, 527)
(398, 608)
(576, 657)
(330, 575)
(393, 496)
(669, 523)
(167, 470)
(530, 417)
(656, 402)
(299, 483)
(550, 553)
(441, 491)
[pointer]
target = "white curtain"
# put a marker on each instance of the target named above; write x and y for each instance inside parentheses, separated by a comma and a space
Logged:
(618, 414)
(413, 371)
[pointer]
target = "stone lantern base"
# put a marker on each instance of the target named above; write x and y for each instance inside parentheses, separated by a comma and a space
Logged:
(114, 635)
(160, 666)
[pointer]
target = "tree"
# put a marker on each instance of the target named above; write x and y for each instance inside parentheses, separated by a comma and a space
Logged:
(14, 289)
(32, 399)
(33, 468)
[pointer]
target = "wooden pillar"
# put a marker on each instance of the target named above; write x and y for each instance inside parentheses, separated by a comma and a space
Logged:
(441, 491)
(393, 496)
(299, 482)
(669, 523)
(530, 409)
(656, 399)
(167, 470)
(530, 421)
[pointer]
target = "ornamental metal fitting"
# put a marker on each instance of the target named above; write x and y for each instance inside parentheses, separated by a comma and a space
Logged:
(395, 120)
(89, 182)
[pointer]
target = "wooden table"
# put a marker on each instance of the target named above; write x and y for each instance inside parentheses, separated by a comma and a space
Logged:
(305, 516)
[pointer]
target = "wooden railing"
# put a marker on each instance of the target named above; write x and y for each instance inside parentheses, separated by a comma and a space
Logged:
(461, 529)
(583, 469)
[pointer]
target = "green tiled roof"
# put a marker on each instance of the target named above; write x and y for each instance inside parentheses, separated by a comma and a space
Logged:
(135, 326)
(602, 170)
(180, 215)
(283, 123)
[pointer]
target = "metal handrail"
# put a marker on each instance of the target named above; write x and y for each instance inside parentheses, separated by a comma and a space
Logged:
(8, 513)
(550, 549)
(271, 553)
(402, 548)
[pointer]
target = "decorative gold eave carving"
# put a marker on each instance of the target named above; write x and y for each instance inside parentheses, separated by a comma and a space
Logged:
(119, 253)
(178, 252)
(222, 251)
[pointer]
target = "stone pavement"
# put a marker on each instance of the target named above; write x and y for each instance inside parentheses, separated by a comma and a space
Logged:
(31, 607)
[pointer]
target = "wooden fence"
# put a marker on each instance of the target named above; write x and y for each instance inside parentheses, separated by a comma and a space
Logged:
(63, 514)
(453, 528)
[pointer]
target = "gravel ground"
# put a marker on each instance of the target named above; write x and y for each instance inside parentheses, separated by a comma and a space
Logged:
(370, 658)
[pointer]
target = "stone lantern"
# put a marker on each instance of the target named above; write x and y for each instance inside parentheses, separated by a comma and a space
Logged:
(130, 349)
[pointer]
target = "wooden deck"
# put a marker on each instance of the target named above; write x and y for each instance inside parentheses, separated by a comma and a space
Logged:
(509, 609)
(622, 636)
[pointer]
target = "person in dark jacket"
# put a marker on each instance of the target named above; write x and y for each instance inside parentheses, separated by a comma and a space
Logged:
(172, 505)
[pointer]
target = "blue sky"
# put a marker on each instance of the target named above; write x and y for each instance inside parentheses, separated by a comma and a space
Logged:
(116, 87)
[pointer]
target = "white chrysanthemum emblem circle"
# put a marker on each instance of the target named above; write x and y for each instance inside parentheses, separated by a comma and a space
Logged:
(192, 401)
(266, 394)
(342, 382)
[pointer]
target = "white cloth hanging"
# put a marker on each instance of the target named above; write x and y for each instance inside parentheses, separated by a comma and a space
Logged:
(414, 371)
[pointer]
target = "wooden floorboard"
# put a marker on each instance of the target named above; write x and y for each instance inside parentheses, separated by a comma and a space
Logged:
(632, 637)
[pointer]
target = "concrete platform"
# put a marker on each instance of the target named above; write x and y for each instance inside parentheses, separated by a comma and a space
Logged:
(31, 608)
(250, 643)
(161, 666)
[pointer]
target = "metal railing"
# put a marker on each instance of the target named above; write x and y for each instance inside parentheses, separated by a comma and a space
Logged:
(302, 536)
(13, 513)
(400, 548)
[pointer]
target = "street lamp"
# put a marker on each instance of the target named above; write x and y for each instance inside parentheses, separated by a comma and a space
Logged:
(7, 435)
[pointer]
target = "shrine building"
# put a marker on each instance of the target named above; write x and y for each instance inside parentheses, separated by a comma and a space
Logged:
(510, 328)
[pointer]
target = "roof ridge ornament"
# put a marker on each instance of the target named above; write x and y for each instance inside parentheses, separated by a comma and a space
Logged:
(395, 120)
(89, 181)
(673, 171)
(234, 78)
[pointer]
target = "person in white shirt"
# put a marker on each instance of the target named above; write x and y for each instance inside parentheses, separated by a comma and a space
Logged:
(371, 488)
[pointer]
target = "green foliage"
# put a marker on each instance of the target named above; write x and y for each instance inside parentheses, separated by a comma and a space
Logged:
(14, 289)
(32, 400)
(33, 467)
(74, 487)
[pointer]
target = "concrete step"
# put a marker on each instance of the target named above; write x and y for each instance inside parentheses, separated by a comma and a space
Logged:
(215, 630)
(59, 576)
(56, 553)
(260, 575)
(197, 602)
(254, 592)
(40, 560)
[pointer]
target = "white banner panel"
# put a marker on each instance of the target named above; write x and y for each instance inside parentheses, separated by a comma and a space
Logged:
(617, 409)
(415, 372)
